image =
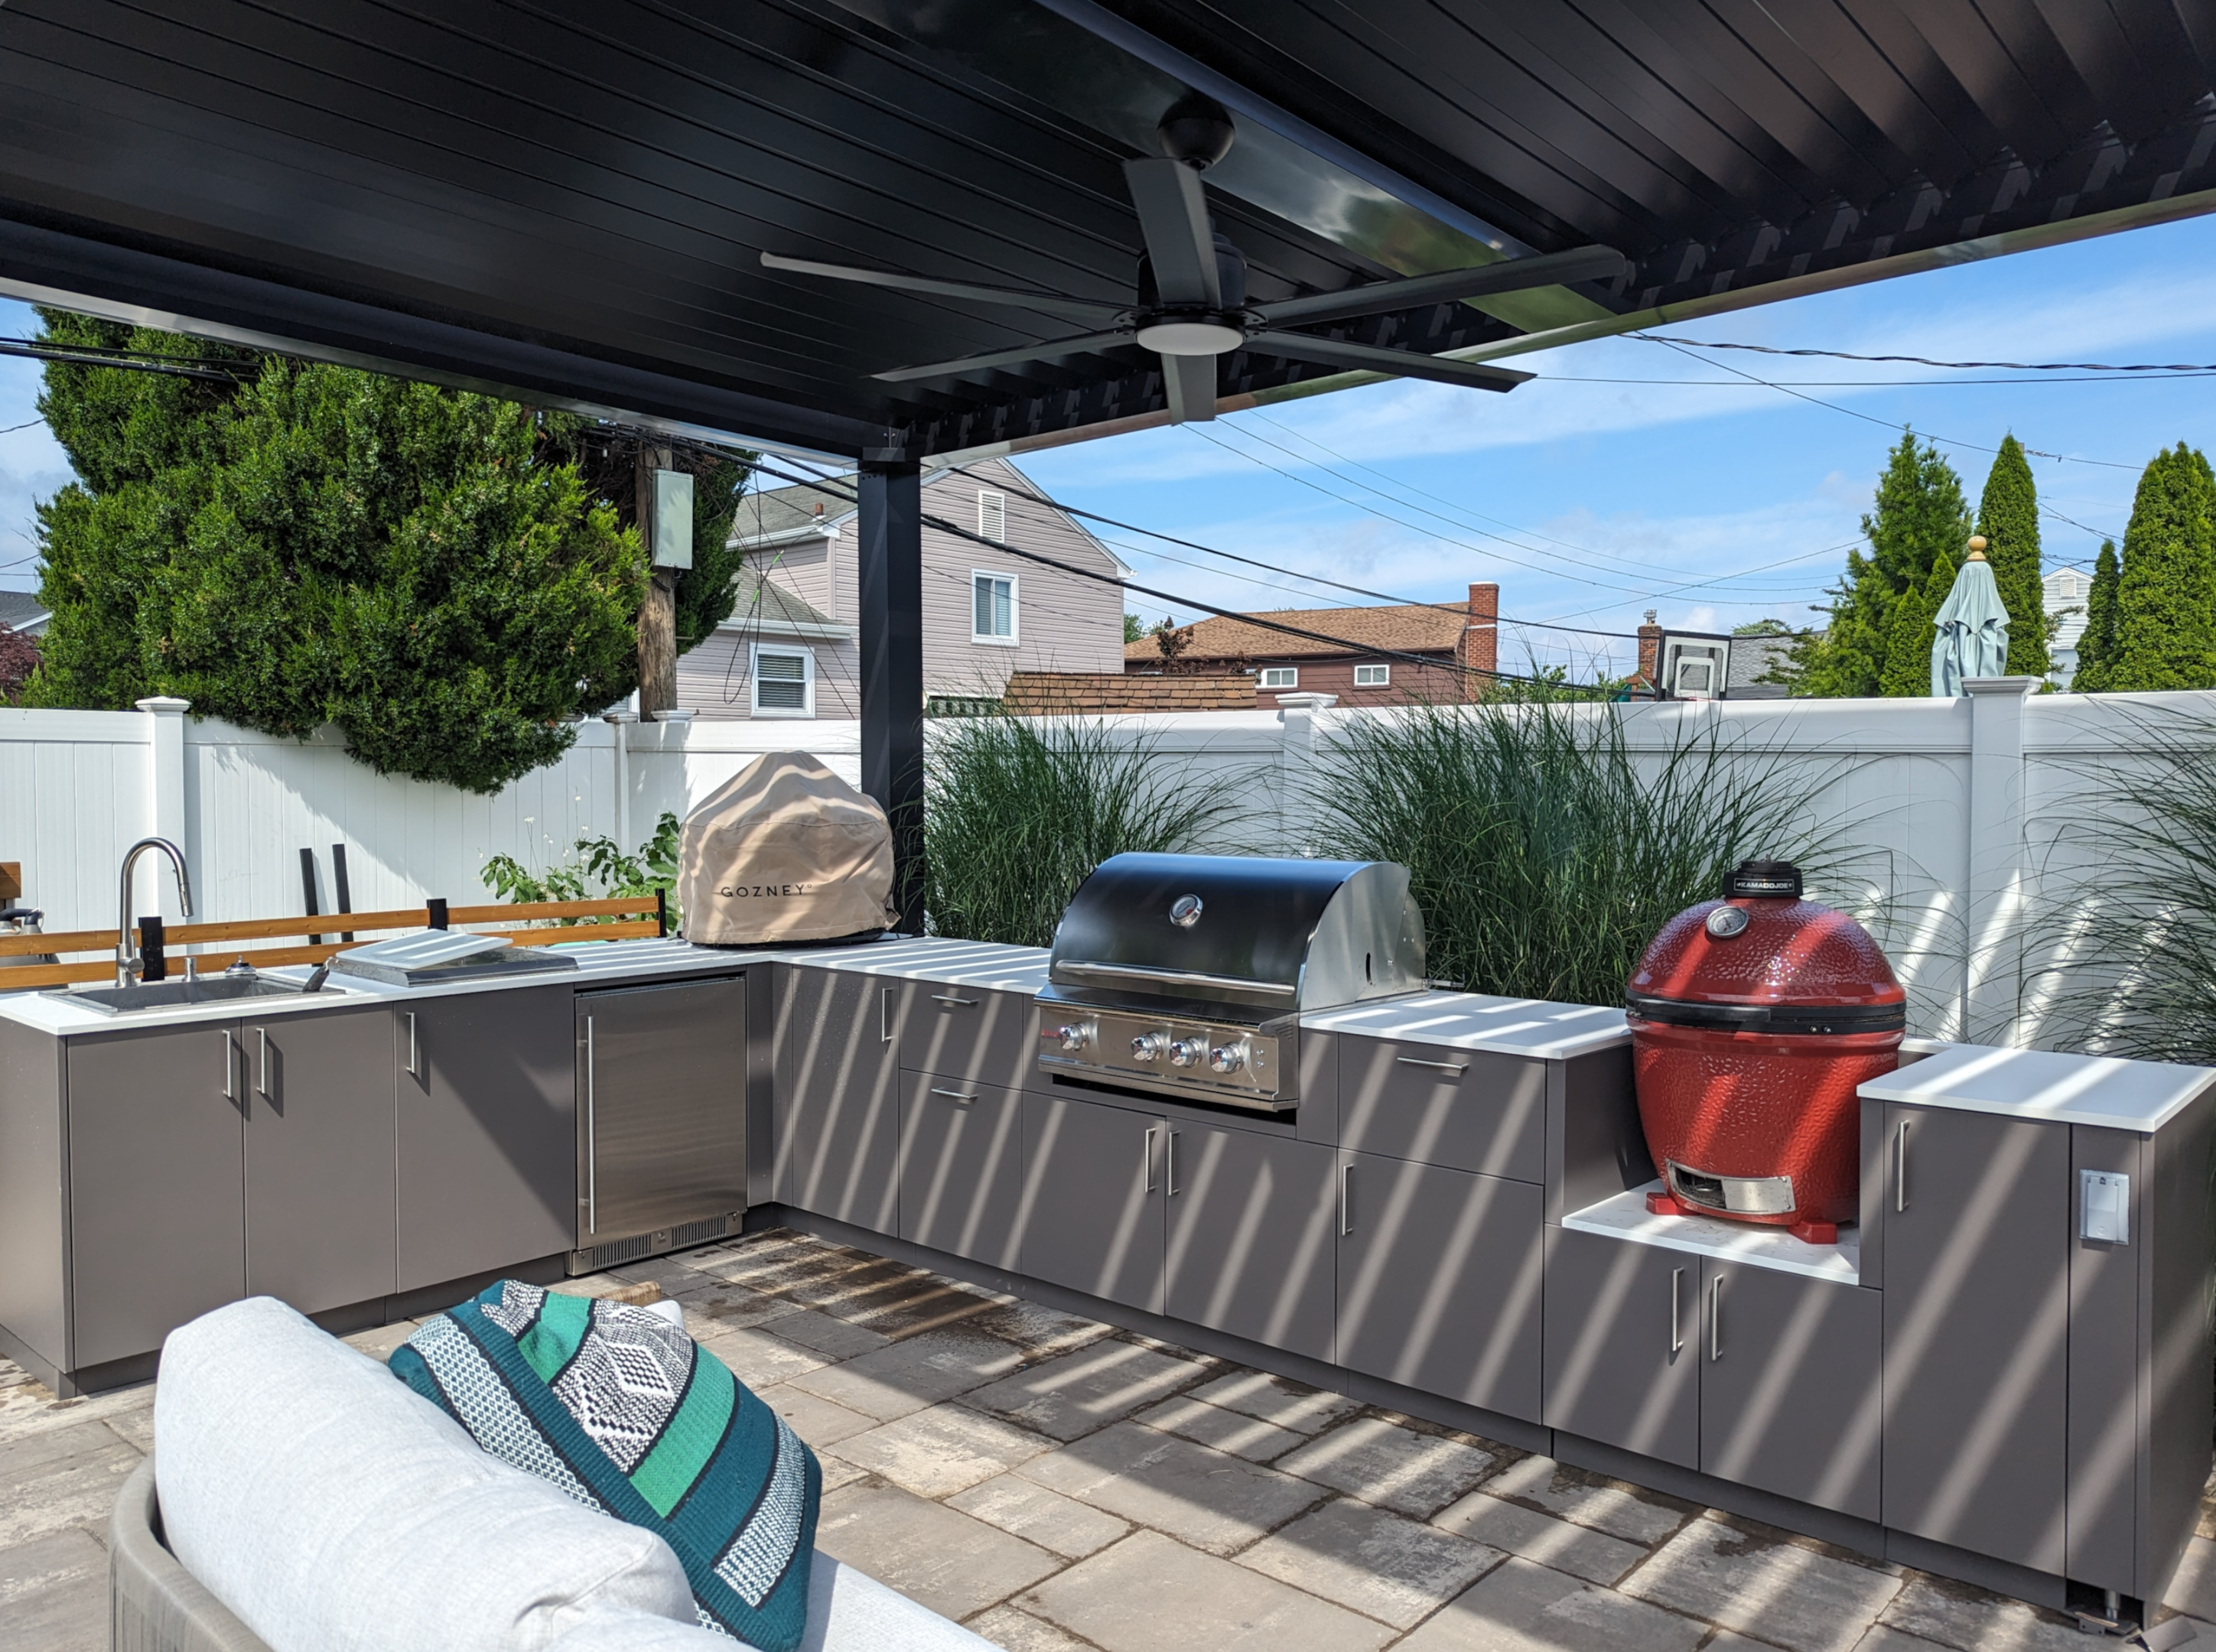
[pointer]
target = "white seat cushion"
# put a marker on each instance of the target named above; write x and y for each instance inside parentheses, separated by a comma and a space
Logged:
(332, 1508)
(847, 1612)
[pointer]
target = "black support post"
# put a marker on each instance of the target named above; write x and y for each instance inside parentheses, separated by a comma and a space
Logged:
(891, 534)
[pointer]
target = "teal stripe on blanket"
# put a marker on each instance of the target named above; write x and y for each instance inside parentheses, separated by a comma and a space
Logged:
(625, 1413)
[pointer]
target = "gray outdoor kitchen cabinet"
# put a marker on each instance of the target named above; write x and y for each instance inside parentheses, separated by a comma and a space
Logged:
(844, 1112)
(488, 1132)
(1622, 1362)
(977, 1034)
(1439, 1280)
(961, 1167)
(1436, 1104)
(1249, 1246)
(1091, 1217)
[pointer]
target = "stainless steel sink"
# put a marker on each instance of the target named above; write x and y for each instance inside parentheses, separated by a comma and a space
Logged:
(174, 995)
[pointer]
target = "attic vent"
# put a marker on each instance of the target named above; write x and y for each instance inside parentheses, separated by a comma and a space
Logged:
(992, 516)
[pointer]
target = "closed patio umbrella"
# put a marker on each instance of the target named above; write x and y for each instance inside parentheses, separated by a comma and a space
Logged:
(1974, 627)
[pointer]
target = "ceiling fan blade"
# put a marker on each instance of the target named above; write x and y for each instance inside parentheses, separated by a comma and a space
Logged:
(1173, 218)
(1510, 275)
(1046, 351)
(1083, 310)
(1189, 383)
(1405, 364)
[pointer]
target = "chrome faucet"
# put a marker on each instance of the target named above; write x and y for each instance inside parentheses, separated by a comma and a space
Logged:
(128, 963)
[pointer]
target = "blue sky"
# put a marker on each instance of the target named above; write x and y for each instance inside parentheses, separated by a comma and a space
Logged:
(1590, 500)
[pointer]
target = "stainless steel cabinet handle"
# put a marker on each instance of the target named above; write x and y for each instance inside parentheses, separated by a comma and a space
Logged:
(1677, 1279)
(592, 1154)
(1147, 1156)
(949, 997)
(230, 1061)
(1716, 1318)
(1345, 1200)
(1900, 1167)
(1458, 1068)
(262, 1087)
(412, 1064)
(965, 1097)
(886, 1016)
(1169, 1167)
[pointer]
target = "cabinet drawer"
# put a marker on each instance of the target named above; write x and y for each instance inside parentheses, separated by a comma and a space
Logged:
(971, 1034)
(1434, 1104)
(961, 1167)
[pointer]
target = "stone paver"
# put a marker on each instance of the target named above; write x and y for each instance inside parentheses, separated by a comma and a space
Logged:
(946, 1449)
(1880, 1638)
(53, 1594)
(2193, 1591)
(1018, 1631)
(1393, 1467)
(60, 1478)
(929, 1552)
(1277, 1399)
(724, 1306)
(1963, 1615)
(910, 1375)
(837, 1472)
(1204, 1497)
(1382, 1564)
(1068, 1527)
(760, 1359)
(1211, 1425)
(1039, 1331)
(1756, 1581)
(1590, 1500)
(1147, 1595)
(1072, 1394)
(820, 1333)
(1578, 1549)
(1520, 1607)
(814, 1418)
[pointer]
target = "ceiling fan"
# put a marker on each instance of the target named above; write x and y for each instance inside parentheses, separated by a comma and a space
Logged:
(1191, 299)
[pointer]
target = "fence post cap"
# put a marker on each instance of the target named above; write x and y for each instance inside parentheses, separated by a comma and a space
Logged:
(164, 705)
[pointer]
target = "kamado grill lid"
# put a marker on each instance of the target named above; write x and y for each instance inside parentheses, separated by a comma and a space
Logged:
(1764, 959)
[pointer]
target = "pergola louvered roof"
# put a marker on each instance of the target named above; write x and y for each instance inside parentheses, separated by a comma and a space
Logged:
(568, 200)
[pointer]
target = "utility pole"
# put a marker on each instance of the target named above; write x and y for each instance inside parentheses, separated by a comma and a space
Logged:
(657, 615)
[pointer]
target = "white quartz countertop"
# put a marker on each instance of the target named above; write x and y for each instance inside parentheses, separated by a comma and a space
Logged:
(1473, 1021)
(2043, 1085)
(1758, 1245)
(931, 958)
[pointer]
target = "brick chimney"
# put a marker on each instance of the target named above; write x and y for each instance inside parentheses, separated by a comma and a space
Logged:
(1481, 639)
(1650, 654)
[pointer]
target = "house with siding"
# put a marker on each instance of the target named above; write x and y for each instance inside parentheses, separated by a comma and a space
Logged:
(789, 650)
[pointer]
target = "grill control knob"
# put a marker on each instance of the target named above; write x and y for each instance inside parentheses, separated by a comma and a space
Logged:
(1071, 1039)
(1148, 1046)
(1227, 1058)
(1187, 1051)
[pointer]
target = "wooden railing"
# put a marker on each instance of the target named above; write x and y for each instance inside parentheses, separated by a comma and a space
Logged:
(530, 923)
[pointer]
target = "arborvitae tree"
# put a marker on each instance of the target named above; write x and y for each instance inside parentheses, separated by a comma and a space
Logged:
(2096, 648)
(1908, 637)
(1919, 517)
(2165, 624)
(426, 569)
(2008, 515)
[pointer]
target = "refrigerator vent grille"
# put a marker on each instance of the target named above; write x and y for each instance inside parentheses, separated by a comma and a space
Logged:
(616, 1252)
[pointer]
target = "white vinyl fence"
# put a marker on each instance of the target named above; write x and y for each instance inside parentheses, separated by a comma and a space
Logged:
(1962, 823)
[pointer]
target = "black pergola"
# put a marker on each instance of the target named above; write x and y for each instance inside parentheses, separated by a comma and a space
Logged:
(569, 202)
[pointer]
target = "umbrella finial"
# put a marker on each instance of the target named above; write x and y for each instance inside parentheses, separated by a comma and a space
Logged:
(1977, 547)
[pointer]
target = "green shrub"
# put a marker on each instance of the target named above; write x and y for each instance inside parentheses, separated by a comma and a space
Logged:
(620, 876)
(1542, 851)
(1022, 809)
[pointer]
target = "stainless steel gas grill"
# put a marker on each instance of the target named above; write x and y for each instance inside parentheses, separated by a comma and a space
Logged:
(1186, 974)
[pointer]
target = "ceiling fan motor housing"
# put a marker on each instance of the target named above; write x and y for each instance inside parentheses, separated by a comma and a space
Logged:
(1197, 130)
(1230, 276)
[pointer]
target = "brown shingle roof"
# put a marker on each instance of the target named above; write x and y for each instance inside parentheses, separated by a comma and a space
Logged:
(1407, 628)
(1046, 693)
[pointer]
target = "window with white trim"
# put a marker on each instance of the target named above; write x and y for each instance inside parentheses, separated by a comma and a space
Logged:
(1281, 676)
(992, 516)
(1372, 676)
(785, 681)
(993, 608)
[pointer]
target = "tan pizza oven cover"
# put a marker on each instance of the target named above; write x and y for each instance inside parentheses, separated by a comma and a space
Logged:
(786, 851)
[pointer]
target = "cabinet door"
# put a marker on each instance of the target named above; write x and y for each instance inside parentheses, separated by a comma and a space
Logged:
(1467, 1110)
(320, 1098)
(961, 1167)
(157, 1221)
(1440, 1279)
(846, 1099)
(661, 1088)
(488, 1151)
(1622, 1363)
(1091, 1212)
(1977, 1301)
(1250, 1241)
(970, 1033)
(1790, 1400)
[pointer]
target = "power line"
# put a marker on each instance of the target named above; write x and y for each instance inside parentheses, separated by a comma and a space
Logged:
(96, 355)
(1926, 361)
(26, 425)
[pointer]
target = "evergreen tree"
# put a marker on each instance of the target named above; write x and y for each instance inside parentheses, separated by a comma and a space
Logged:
(2096, 648)
(1919, 517)
(2008, 515)
(2165, 623)
(429, 569)
(1910, 631)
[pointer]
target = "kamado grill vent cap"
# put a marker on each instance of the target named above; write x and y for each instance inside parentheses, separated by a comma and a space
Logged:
(1763, 881)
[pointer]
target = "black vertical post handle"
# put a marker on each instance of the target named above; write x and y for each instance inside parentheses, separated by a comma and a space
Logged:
(890, 497)
(308, 891)
(434, 914)
(155, 966)
(341, 888)
(661, 912)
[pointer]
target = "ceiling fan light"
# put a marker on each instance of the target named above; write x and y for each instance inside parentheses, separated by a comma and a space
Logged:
(1190, 336)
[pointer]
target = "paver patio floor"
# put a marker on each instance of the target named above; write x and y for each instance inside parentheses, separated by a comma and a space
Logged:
(1058, 1483)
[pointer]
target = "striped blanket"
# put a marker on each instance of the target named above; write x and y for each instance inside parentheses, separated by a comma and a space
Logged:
(628, 1415)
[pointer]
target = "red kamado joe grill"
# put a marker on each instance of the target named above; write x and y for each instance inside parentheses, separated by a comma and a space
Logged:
(1753, 1018)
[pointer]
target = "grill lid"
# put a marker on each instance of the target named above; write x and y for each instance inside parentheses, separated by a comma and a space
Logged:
(1268, 933)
